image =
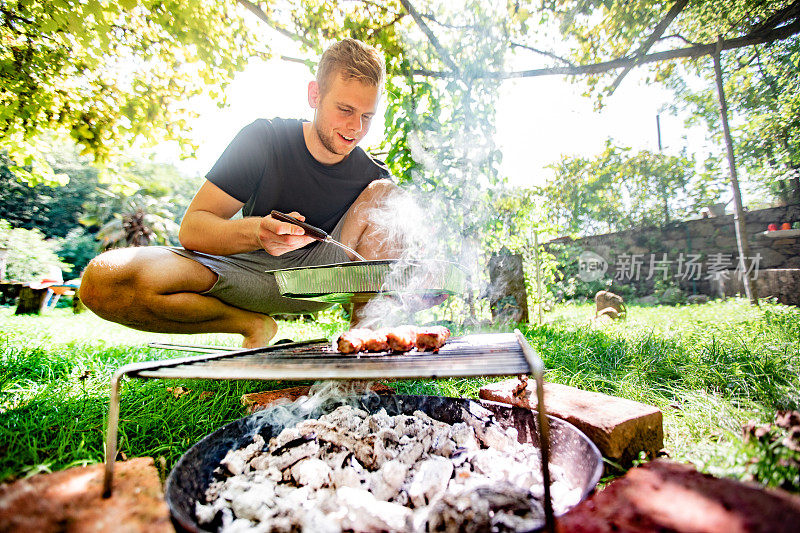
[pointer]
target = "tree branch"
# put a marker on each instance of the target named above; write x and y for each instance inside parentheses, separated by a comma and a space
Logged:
(680, 37)
(448, 26)
(431, 37)
(257, 11)
(792, 11)
(692, 52)
(374, 31)
(544, 53)
(291, 59)
(676, 8)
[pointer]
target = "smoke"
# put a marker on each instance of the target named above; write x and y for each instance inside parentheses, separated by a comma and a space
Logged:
(445, 211)
(434, 222)
(408, 225)
(323, 397)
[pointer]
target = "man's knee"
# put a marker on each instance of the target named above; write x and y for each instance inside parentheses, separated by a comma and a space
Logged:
(105, 278)
(115, 279)
(374, 204)
(379, 191)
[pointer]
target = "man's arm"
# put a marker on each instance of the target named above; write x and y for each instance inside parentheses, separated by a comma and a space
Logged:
(207, 227)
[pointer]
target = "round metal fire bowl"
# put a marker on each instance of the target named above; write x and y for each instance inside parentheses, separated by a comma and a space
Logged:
(360, 281)
(189, 479)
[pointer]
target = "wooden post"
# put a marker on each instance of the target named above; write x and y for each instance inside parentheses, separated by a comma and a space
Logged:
(31, 301)
(738, 213)
(538, 274)
(508, 299)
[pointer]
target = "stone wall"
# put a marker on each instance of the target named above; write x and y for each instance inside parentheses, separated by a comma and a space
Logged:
(699, 255)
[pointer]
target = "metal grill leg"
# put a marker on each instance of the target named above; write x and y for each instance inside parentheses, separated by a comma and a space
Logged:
(111, 434)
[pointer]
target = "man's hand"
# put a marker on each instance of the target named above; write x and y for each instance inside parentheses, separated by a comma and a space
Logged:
(277, 237)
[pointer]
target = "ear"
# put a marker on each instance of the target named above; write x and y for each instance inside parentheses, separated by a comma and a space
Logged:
(313, 94)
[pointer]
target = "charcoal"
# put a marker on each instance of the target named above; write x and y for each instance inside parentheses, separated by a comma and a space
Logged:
(294, 443)
(351, 471)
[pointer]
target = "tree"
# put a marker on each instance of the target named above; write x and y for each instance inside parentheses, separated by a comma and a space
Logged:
(54, 210)
(763, 91)
(109, 73)
(142, 205)
(713, 29)
(84, 201)
(444, 61)
(30, 255)
(139, 221)
(617, 190)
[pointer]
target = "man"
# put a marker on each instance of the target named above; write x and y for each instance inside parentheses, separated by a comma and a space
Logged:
(311, 170)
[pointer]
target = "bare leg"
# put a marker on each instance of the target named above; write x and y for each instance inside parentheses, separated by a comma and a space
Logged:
(372, 241)
(154, 289)
(359, 232)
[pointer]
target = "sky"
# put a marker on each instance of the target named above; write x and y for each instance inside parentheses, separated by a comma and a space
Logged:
(541, 119)
(538, 119)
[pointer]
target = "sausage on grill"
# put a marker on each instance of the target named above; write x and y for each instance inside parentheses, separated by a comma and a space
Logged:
(353, 341)
(432, 338)
(399, 339)
(402, 338)
(377, 341)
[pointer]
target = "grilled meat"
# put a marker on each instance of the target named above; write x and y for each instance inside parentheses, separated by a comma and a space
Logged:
(399, 339)
(353, 341)
(432, 338)
(402, 338)
(377, 342)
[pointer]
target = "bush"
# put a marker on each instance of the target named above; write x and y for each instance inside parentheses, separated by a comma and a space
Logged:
(77, 248)
(30, 255)
(774, 451)
(570, 286)
(669, 293)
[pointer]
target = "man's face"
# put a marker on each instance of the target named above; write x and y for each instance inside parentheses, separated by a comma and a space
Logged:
(343, 115)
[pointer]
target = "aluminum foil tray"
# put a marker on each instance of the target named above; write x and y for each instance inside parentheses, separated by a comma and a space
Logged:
(360, 281)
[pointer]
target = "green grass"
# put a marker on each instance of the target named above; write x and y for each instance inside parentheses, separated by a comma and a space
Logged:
(709, 368)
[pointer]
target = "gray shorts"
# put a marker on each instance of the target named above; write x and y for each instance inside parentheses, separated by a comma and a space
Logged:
(242, 280)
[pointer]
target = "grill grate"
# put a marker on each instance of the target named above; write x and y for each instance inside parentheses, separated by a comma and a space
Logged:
(496, 354)
(492, 354)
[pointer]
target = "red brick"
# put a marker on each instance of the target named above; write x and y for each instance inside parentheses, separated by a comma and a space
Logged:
(666, 496)
(256, 401)
(71, 500)
(619, 428)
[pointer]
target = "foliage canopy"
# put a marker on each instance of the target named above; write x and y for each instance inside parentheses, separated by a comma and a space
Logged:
(117, 73)
(618, 189)
(108, 72)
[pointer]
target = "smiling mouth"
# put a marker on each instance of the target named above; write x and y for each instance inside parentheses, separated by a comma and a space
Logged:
(347, 139)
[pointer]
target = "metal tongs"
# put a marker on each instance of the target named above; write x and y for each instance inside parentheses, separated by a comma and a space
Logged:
(314, 232)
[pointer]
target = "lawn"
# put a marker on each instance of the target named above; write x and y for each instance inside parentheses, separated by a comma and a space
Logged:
(709, 368)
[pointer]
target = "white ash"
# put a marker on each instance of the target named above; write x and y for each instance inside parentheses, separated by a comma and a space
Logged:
(351, 471)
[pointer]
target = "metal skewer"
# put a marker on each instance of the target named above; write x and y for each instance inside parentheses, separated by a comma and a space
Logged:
(537, 369)
(314, 232)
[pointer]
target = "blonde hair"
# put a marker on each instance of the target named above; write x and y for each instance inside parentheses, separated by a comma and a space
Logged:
(352, 59)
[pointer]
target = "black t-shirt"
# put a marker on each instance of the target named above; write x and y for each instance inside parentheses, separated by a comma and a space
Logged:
(268, 166)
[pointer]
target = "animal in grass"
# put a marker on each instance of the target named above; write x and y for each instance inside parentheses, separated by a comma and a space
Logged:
(609, 304)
